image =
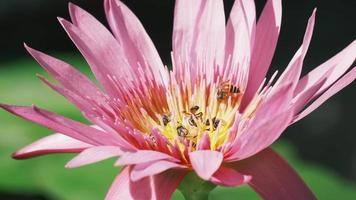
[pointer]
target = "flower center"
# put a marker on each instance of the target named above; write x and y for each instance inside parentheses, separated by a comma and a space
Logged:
(202, 110)
(184, 116)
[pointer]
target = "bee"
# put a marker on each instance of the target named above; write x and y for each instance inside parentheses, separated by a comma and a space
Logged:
(215, 122)
(194, 109)
(184, 136)
(152, 139)
(192, 144)
(182, 131)
(194, 115)
(225, 89)
(192, 122)
(165, 119)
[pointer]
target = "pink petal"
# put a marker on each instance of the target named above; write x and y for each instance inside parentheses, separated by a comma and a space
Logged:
(92, 28)
(229, 177)
(198, 34)
(240, 35)
(143, 156)
(167, 181)
(140, 171)
(61, 124)
(300, 100)
(85, 105)
(93, 155)
(336, 87)
(271, 118)
(69, 77)
(98, 136)
(278, 100)
(55, 143)
(124, 188)
(158, 187)
(261, 135)
(103, 54)
(134, 40)
(294, 68)
(162, 142)
(205, 162)
(204, 143)
(337, 66)
(267, 32)
(273, 178)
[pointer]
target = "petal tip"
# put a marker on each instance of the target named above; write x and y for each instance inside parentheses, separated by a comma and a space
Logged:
(18, 156)
(25, 45)
(314, 10)
(63, 21)
(206, 162)
(31, 50)
(73, 8)
(5, 107)
(71, 5)
(67, 166)
(72, 164)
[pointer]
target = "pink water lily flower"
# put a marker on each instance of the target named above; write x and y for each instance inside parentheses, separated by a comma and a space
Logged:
(215, 114)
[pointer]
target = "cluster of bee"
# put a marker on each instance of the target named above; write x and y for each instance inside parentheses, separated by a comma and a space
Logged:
(225, 91)
(194, 116)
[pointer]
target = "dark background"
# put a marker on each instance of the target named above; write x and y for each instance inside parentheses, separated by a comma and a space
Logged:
(327, 136)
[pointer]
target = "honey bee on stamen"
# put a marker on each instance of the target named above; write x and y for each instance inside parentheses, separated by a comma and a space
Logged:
(192, 119)
(185, 137)
(207, 122)
(182, 131)
(192, 122)
(199, 115)
(152, 139)
(194, 109)
(192, 144)
(165, 120)
(193, 116)
(225, 90)
(215, 122)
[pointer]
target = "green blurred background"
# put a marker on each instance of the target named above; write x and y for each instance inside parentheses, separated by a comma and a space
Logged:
(321, 147)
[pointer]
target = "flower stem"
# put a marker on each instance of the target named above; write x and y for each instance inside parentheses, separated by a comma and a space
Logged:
(194, 188)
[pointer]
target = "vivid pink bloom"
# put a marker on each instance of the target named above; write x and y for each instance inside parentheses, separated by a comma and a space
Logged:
(214, 113)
